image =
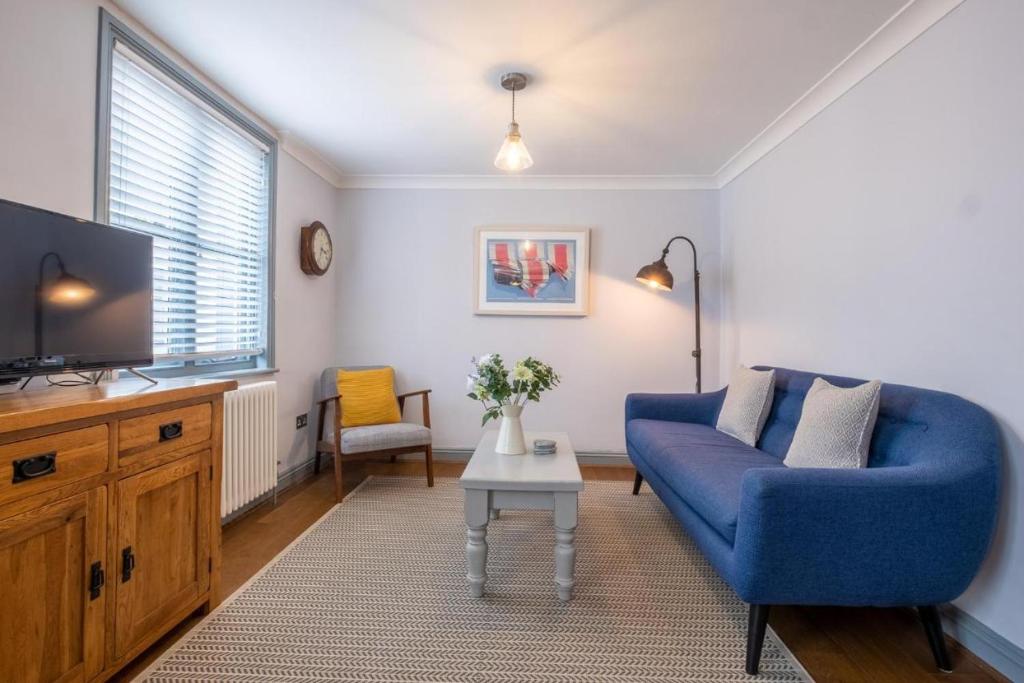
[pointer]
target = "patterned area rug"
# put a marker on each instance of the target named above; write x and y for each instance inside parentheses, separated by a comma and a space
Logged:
(376, 591)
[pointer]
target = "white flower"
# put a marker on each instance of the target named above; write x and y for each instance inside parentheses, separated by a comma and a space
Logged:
(481, 392)
(485, 359)
(471, 382)
(522, 373)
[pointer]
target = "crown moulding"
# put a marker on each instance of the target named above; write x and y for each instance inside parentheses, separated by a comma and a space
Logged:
(528, 182)
(903, 28)
(910, 22)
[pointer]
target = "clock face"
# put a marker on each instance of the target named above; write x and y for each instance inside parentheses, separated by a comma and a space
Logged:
(323, 250)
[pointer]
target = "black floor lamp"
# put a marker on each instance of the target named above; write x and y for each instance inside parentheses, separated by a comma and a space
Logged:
(658, 276)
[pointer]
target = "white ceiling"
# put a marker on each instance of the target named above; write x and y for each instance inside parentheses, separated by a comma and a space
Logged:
(621, 87)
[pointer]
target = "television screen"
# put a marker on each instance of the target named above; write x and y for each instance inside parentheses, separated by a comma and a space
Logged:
(74, 295)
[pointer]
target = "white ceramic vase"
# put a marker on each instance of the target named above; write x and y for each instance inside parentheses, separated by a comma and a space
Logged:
(510, 434)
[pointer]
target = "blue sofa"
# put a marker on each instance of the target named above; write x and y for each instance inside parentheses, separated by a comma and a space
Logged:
(910, 529)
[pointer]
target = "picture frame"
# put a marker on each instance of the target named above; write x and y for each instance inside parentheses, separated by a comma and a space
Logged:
(531, 271)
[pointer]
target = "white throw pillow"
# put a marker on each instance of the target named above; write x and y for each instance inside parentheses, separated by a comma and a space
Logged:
(746, 405)
(835, 426)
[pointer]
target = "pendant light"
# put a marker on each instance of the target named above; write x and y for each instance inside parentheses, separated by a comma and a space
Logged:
(513, 155)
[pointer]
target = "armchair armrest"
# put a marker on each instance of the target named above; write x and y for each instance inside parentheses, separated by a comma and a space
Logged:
(909, 535)
(322, 413)
(697, 408)
(426, 403)
(412, 393)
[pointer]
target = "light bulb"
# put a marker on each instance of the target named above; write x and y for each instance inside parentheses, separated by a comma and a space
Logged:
(513, 155)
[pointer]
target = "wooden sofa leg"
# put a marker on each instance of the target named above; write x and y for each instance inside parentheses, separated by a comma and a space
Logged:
(316, 463)
(636, 483)
(430, 465)
(936, 640)
(757, 623)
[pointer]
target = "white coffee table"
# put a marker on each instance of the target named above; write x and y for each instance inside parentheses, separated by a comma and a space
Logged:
(495, 482)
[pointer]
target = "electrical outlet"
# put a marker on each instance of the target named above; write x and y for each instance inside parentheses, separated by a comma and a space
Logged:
(301, 421)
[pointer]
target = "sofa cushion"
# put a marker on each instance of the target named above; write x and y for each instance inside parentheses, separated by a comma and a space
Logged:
(703, 466)
(746, 405)
(835, 426)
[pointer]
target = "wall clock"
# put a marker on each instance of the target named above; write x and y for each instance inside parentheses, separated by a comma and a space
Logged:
(315, 249)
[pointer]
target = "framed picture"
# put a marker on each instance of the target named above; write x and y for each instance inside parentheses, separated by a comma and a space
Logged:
(532, 270)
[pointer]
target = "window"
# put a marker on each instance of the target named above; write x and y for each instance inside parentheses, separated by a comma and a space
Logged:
(176, 162)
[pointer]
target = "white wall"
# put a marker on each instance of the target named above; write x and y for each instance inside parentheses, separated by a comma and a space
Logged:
(406, 300)
(305, 325)
(48, 53)
(885, 239)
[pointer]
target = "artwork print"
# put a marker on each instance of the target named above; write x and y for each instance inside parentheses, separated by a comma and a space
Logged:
(532, 271)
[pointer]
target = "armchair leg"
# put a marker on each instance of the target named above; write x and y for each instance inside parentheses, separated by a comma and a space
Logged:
(936, 640)
(430, 465)
(316, 462)
(757, 623)
(636, 483)
(338, 495)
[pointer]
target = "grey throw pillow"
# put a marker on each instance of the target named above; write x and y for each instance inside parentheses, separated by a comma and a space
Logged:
(835, 426)
(746, 405)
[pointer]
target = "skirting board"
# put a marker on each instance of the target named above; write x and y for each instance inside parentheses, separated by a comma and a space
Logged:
(989, 646)
(295, 474)
(583, 457)
(304, 470)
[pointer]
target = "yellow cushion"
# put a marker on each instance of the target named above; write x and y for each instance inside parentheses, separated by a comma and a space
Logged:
(368, 397)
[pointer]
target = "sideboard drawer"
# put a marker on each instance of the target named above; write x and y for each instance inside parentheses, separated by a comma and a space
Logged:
(165, 431)
(48, 462)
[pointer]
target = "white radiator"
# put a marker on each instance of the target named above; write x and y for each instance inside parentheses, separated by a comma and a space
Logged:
(250, 444)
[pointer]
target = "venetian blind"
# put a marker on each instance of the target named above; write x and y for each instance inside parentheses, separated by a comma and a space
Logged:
(200, 187)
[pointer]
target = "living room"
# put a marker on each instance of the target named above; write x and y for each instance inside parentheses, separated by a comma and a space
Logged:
(448, 340)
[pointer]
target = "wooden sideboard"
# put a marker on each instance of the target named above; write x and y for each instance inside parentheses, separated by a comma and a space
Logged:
(109, 522)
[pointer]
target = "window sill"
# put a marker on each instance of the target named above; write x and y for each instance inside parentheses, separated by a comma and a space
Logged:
(237, 374)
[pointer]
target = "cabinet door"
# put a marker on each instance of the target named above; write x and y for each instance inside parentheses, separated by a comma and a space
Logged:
(51, 595)
(163, 551)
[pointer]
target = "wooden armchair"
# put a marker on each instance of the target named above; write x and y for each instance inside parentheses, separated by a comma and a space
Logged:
(371, 441)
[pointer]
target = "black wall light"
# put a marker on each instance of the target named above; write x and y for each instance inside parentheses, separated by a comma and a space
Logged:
(657, 276)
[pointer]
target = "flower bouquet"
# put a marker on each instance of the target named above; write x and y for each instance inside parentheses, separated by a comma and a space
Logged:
(504, 393)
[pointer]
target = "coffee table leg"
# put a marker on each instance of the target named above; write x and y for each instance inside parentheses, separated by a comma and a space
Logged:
(495, 513)
(565, 543)
(476, 541)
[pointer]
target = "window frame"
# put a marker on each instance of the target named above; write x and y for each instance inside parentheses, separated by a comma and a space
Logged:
(112, 29)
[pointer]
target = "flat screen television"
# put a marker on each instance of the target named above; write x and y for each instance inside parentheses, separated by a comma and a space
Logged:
(74, 295)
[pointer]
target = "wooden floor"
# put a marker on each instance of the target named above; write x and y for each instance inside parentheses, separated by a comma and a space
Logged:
(833, 644)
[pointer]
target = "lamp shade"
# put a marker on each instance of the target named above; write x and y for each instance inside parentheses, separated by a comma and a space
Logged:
(513, 155)
(656, 276)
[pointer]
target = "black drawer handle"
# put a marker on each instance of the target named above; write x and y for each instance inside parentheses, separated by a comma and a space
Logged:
(171, 430)
(36, 466)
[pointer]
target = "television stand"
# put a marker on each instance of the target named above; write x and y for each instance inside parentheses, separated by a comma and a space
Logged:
(142, 375)
(95, 379)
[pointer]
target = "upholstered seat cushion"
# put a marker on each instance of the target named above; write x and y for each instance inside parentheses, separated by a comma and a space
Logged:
(381, 437)
(703, 466)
